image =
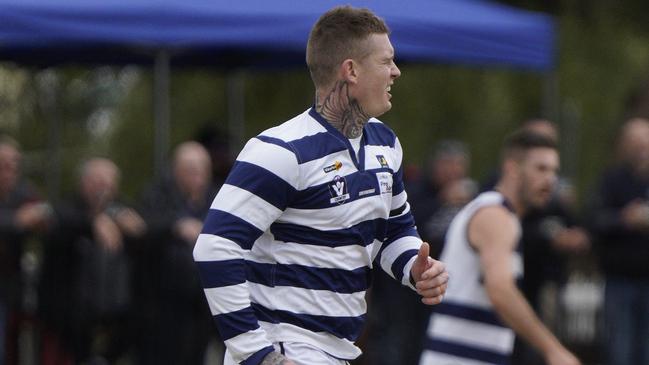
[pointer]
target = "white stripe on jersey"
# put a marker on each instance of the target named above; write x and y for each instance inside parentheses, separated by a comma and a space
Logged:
(394, 250)
(206, 250)
(273, 158)
(314, 170)
(344, 257)
(256, 211)
(297, 300)
(241, 344)
(344, 215)
(436, 358)
(399, 200)
(227, 298)
(470, 333)
(343, 348)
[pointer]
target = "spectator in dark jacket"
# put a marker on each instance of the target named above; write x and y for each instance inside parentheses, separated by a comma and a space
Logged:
(22, 213)
(85, 286)
(175, 322)
(621, 226)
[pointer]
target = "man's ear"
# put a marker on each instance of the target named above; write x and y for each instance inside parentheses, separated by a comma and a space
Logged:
(349, 71)
(511, 166)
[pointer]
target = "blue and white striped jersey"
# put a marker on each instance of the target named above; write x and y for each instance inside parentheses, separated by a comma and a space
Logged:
(465, 329)
(287, 247)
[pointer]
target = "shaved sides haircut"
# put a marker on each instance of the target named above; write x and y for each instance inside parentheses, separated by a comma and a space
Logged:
(337, 36)
(520, 142)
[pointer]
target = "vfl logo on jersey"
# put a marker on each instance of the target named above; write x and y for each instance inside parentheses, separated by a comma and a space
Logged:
(338, 190)
(335, 167)
(382, 161)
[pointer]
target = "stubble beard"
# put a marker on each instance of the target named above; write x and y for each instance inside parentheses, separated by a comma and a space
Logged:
(342, 111)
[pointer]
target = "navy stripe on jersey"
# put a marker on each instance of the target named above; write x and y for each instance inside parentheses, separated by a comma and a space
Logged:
(378, 134)
(399, 186)
(341, 327)
(226, 225)
(470, 313)
(258, 356)
(235, 323)
(398, 211)
(319, 196)
(335, 280)
(400, 263)
(467, 352)
(395, 229)
(362, 234)
(216, 274)
(316, 146)
(261, 182)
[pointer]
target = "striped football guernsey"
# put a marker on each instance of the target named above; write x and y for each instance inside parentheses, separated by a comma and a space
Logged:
(464, 329)
(287, 247)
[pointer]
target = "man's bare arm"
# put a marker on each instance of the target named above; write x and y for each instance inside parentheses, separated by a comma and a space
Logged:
(493, 231)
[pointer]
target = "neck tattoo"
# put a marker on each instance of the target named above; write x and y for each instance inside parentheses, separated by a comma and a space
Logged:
(343, 112)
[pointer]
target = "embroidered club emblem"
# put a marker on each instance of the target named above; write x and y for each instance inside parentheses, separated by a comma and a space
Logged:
(338, 190)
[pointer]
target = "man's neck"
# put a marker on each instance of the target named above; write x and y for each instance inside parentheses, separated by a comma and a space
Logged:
(509, 192)
(342, 111)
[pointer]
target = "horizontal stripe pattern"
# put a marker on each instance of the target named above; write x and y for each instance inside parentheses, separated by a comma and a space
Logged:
(258, 356)
(224, 299)
(313, 147)
(297, 300)
(249, 346)
(260, 182)
(465, 325)
(472, 333)
(339, 216)
(213, 248)
(231, 227)
(232, 324)
(343, 348)
(343, 327)
(336, 280)
(485, 355)
(399, 251)
(468, 312)
(216, 274)
(361, 234)
(287, 244)
(256, 211)
(278, 160)
(436, 358)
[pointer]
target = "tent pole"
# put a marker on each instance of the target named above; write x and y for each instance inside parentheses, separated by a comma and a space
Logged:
(161, 110)
(567, 118)
(51, 106)
(236, 94)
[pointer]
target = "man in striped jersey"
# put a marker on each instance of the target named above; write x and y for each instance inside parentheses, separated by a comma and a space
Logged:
(310, 206)
(483, 307)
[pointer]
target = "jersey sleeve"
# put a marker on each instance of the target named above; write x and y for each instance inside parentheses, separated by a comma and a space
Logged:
(256, 192)
(402, 242)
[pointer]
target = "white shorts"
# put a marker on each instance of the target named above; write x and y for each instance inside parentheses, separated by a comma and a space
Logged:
(299, 353)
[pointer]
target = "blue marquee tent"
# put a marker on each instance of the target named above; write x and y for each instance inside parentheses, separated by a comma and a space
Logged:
(259, 33)
(244, 32)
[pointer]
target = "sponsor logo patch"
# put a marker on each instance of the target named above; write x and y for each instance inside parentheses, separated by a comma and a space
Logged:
(335, 167)
(382, 161)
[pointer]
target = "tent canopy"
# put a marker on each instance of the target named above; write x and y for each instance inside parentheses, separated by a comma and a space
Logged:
(259, 32)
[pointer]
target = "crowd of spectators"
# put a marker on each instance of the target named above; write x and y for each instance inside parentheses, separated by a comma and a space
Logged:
(115, 280)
